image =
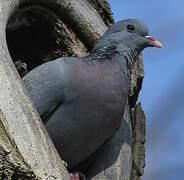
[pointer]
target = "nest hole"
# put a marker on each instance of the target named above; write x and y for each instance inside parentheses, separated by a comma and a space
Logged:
(32, 36)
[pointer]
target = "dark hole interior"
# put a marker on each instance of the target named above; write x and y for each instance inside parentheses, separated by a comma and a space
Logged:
(31, 36)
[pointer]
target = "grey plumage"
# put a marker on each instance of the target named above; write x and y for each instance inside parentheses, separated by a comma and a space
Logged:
(88, 94)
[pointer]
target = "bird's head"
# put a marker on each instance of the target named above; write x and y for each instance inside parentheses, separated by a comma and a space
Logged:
(129, 34)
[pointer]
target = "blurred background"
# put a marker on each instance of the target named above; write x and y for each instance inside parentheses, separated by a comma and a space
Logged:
(162, 95)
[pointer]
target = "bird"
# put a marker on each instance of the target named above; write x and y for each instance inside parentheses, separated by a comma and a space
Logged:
(82, 99)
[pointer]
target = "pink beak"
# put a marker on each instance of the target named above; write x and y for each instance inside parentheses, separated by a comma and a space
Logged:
(153, 42)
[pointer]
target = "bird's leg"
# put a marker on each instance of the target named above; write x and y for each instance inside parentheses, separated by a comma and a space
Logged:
(77, 176)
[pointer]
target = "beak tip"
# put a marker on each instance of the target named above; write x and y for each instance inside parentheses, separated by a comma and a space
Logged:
(158, 44)
(154, 42)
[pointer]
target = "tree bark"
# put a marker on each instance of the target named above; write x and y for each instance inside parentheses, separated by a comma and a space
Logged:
(26, 149)
(72, 29)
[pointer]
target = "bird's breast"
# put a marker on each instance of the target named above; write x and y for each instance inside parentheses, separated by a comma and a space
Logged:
(94, 115)
(103, 95)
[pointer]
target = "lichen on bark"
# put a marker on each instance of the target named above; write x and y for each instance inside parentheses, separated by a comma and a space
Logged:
(138, 120)
(139, 133)
(12, 164)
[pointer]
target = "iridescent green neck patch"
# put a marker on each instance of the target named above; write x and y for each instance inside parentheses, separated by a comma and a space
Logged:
(105, 46)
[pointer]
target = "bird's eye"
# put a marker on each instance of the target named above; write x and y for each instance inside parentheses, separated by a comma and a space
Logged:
(130, 28)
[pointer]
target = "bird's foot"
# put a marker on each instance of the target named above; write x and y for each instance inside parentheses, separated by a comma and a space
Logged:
(77, 176)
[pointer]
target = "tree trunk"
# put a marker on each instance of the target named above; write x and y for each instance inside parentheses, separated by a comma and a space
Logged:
(59, 28)
(26, 149)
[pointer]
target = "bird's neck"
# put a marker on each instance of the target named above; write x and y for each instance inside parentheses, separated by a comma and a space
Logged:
(130, 57)
(115, 52)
